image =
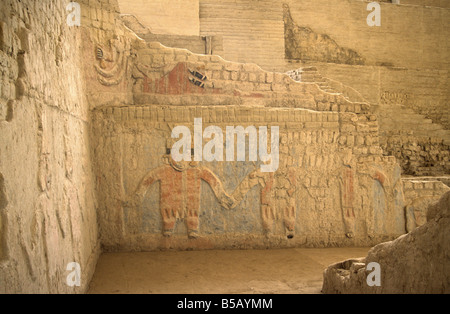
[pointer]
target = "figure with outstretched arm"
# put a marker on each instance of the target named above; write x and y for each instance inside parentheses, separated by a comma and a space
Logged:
(180, 191)
(265, 181)
(276, 199)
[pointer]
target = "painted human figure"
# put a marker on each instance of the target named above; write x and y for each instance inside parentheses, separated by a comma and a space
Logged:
(347, 199)
(277, 197)
(347, 189)
(180, 193)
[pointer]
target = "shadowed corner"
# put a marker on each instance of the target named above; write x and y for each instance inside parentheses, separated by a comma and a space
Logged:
(3, 205)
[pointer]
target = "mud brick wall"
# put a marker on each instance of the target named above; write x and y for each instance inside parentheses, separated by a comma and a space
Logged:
(425, 92)
(164, 74)
(345, 23)
(86, 115)
(383, 68)
(422, 251)
(330, 189)
(420, 193)
(48, 203)
(169, 17)
(387, 76)
(431, 3)
(100, 15)
(418, 156)
(342, 21)
(252, 31)
(324, 135)
(333, 37)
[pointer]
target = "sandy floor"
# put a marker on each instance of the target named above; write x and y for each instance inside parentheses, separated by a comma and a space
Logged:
(217, 272)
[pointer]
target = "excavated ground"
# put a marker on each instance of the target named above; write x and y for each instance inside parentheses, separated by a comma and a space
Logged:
(285, 271)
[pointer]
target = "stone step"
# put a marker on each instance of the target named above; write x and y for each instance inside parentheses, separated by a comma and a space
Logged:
(402, 119)
(443, 133)
(413, 125)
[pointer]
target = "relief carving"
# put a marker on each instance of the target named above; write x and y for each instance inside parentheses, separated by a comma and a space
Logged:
(184, 78)
(397, 97)
(180, 192)
(277, 197)
(112, 61)
(347, 190)
(347, 200)
(178, 79)
(416, 211)
(382, 182)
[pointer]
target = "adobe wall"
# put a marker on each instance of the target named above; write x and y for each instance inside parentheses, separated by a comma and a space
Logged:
(414, 78)
(415, 263)
(47, 191)
(431, 3)
(420, 193)
(402, 57)
(197, 44)
(403, 62)
(409, 36)
(422, 90)
(333, 187)
(85, 132)
(252, 31)
(169, 17)
(324, 187)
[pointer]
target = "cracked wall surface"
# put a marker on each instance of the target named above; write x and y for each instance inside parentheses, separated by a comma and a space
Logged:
(402, 63)
(155, 88)
(3, 204)
(168, 17)
(416, 263)
(86, 115)
(339, 198)
(49, 219)
(328, 146)
(305, 45)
